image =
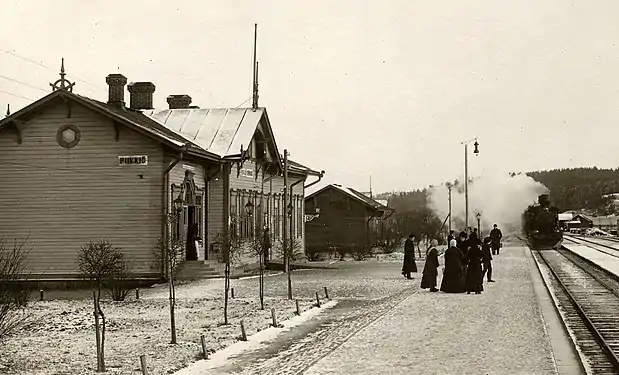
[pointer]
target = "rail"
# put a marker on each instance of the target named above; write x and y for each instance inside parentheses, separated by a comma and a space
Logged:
(612, 356)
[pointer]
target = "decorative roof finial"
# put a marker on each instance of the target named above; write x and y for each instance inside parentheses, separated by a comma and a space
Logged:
(62, 83)
(8, 110)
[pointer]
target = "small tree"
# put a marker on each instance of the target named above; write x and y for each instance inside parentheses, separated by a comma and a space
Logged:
(259, 247)
(99, 261)
(231, 244)
(119, 284)
(13, 295)
(171, 253)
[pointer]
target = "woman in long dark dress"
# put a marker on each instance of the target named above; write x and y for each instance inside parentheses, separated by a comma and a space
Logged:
(452, 275)
(474, 273)
(463, 245)
(409, 257)
(430, 270)
(192, 236)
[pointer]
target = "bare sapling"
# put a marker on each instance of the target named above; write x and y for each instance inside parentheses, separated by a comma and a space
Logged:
(172, 251)
(231, 244)
(260, 245)
(13, 294)
(99, 261)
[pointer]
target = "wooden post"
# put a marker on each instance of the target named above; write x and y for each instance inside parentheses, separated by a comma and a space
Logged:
(317, 300)
(274, 317)
(137, 293)
(298, 308)
(204, 352)
(243, 333)
(143, 364)
(232, 292)
(41, 292)
(326, 293)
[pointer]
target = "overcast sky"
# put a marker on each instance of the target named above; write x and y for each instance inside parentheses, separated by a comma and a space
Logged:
(357, 88)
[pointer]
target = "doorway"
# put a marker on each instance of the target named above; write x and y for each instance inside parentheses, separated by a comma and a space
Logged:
(192, 232)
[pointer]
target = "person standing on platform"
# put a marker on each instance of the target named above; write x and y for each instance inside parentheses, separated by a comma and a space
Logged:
(452, 274)
(452, 236)
(474, 275)
(495, 237)
(430, 270)
(487, 263)
(463, 246)
(409, 257)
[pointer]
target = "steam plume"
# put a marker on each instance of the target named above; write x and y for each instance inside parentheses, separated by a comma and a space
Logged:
(501, 199)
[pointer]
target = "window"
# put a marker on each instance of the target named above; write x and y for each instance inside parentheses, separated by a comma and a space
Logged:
(199, 213)
(277, 214)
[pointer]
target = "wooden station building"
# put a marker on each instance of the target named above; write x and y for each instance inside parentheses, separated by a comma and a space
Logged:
(74, 169)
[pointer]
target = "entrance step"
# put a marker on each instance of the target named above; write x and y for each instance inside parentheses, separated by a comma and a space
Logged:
(198, 269)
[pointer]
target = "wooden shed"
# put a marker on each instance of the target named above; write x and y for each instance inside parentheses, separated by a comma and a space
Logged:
(342, 216)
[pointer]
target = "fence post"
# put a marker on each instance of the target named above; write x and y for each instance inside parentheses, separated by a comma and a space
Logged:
(274, 317)
(326, 293)
(41, 292)
(298, 309)
(204, 352)
(143, 364)
(317, 300)
(137, 293)
(243, 333)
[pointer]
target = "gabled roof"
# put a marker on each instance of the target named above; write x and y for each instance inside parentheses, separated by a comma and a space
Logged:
(354, 194)
(293, 166)
(221, 131)
(133, 119)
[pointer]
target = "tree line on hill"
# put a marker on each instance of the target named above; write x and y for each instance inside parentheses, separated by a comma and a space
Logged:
(580, 188)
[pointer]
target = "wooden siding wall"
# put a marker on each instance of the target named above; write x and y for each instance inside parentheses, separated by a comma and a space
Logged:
(62, 198)
(342, 220)
(241, 182)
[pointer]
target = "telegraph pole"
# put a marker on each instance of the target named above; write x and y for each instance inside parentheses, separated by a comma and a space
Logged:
(449, 188)
(287, 245)
(466, 186)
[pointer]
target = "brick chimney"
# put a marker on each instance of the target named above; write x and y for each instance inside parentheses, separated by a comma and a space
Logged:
(179, 101)
(116, 84)
(141, 95)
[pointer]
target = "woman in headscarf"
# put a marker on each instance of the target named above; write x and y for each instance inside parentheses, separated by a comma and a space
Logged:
(430, 270)
(409, 257)
(453, 281)
(474, 273)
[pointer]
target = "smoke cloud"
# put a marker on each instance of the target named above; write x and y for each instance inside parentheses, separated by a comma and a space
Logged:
(501, 199)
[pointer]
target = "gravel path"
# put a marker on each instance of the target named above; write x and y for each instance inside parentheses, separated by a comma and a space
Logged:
(497, 332)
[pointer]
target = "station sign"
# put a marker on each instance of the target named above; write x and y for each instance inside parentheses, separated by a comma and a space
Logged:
(133, 160)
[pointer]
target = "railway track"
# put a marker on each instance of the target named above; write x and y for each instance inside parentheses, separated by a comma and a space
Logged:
(588, 298)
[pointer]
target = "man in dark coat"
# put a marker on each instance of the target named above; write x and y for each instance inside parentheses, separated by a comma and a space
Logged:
(474, 275)
(409, 257)
(495, 237)
(487, 262)
(430, 270)
(453, 281)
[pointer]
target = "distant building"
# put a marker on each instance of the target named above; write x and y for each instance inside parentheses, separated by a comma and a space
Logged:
(346, 217)
(580, 221)
(605, 223)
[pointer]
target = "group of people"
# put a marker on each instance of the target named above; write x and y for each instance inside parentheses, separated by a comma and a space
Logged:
(468, 260)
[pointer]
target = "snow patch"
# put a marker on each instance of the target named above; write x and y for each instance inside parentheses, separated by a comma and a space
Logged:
(253, 342)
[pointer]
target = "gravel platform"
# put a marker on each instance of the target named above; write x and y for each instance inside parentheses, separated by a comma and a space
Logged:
(498, 332)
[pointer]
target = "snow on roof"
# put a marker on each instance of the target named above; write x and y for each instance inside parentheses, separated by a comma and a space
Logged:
(355, 195)
(221, 131)
(566, 216)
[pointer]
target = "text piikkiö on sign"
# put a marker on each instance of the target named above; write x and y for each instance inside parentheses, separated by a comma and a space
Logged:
(133, 160)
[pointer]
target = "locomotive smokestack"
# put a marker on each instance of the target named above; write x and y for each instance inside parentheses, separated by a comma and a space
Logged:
(544, 200)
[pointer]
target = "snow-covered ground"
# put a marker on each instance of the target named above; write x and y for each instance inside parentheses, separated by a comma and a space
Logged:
(63, 342)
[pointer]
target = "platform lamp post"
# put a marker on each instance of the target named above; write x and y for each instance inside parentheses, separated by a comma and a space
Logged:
(466, 177)
(478, 216)
(449, 186)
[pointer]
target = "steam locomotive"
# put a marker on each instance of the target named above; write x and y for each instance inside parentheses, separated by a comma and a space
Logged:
(540, 224)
